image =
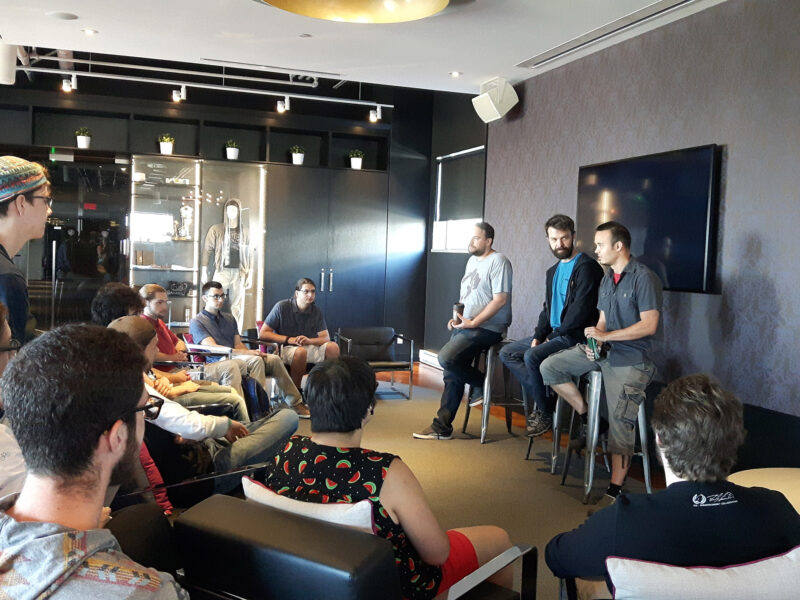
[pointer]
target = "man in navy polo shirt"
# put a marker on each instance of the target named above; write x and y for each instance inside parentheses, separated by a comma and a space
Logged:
(629, 325)
(298, 324)
(212, 327)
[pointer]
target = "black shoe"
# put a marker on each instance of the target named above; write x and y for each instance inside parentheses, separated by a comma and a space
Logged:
(579, 442)
(538, 423)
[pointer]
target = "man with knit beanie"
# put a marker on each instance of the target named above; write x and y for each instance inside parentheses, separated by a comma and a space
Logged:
(24, 207)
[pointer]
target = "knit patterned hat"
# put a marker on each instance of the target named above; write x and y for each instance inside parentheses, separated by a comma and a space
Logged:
(18, 176)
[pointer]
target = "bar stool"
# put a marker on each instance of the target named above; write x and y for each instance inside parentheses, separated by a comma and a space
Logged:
(593, 434)
(491, 355)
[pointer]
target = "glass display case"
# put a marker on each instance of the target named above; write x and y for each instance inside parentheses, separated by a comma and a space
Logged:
(165, 230)
(193, 221)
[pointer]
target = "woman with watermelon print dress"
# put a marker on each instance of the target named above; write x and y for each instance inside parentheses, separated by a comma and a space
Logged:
(331, 467)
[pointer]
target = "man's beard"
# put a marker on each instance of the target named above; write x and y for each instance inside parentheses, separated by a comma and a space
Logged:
(562, 253)
(124, 471)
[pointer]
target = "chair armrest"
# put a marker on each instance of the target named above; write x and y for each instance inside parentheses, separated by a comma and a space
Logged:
(485, 571)
(346, 339)
(273, 346)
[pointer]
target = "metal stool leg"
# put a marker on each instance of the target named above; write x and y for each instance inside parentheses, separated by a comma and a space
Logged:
(592, 433)
(487, 392)
(645, 452)
(466, 413)
(568, 456)
(556, 435)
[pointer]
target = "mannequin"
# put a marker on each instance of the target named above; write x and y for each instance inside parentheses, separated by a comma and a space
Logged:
(226, 257)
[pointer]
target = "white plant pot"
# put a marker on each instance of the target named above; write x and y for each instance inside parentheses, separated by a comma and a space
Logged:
(297, 159)
(232, 153)
(355, 162)
(166, 147)
(84, 141)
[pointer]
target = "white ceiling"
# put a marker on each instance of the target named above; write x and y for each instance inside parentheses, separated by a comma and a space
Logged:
(481, 38)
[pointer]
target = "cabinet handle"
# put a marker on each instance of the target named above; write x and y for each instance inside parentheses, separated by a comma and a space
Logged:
(322, 279)
(330, 280)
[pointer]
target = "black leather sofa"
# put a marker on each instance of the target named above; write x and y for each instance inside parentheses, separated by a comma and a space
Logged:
(232, 548)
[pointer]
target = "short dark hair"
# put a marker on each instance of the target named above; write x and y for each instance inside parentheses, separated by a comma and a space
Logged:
(65, 389)
(114, 300)
(339, 392)
(699, 427)
(619, 233)
(210, 284)
(561, 223)
(488, 230)
(304, 281)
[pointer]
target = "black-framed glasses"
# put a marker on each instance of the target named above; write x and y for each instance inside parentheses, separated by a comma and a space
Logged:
(13, 346)
(151, 409)
(47, 199)
(217, 296)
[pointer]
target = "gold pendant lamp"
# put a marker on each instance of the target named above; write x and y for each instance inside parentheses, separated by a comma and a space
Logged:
(362, 11)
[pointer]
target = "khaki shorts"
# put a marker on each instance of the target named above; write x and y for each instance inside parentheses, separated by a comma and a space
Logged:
(314, 354)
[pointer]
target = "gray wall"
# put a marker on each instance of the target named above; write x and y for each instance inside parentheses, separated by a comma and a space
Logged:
(728, 75)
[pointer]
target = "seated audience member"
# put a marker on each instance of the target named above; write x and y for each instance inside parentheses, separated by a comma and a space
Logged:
(170, 348)
(79, 423)
(330, 466)
(701, 519)
(115, 300)
(231, 444)
(12, 465)
(298, 324)
(212, 327)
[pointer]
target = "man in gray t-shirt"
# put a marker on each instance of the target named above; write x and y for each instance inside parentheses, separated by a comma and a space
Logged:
(486, 296)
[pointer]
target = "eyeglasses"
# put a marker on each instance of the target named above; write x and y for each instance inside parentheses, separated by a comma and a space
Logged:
(216, 296)
(13, 346)
(47, 199)
(151, 409)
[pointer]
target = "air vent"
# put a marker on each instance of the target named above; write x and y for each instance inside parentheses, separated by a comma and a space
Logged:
(628, 21)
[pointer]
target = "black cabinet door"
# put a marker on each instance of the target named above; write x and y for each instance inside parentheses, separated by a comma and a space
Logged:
(356, 249)
(297, 230)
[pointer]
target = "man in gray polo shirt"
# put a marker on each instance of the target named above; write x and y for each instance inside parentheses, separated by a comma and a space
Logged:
(486, 295)
(298, 324)
(629, 324)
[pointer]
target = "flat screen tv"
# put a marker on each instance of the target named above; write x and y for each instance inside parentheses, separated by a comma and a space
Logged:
(668, 201)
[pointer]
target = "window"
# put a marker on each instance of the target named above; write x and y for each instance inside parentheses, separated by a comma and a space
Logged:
(460, 180)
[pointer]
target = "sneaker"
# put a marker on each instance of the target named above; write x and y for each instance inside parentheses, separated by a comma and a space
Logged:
(476, 396)
(539, 423)
(429, 434)
(579, 442)
(302, 410)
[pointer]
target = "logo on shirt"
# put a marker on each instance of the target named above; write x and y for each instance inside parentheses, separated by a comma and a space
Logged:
(473, 281)
(701, 500)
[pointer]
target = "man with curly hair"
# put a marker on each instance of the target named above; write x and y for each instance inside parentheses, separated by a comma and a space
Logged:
(701, 518)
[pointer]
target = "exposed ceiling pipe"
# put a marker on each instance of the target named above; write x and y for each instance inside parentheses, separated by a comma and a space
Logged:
(24, 60)
(99, 63)
(65, 60)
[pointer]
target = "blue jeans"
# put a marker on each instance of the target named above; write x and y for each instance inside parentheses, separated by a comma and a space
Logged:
(523, 361)
(456, 358)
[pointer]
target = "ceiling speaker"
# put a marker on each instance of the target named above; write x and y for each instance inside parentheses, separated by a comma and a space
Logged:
(497, 97)
(8, 64)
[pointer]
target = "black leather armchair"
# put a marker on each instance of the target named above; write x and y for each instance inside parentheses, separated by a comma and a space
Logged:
(378, 346)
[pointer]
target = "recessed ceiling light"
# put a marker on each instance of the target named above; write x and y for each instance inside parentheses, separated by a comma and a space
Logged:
(455, 74)
(306, 35)
(63, 16)
(89, 31)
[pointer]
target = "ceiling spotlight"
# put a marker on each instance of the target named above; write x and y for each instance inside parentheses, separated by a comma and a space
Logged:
(375, 115)
(66, 85)
(178, 95)
(455, 74)
(284, 105)
(74, 81)
(90, 31)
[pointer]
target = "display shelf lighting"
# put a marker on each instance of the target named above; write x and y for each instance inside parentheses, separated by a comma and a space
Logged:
(284, 105)
(375, 114)
(179, 95)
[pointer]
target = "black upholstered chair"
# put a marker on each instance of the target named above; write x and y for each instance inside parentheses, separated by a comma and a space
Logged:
(378, 346)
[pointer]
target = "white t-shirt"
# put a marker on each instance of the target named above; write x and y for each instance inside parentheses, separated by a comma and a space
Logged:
(482, 279)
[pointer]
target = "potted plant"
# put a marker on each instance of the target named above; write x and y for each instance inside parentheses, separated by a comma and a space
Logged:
(166, 142)
(356, 158)
(84, 136)
(297, 154)
(232, 149)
